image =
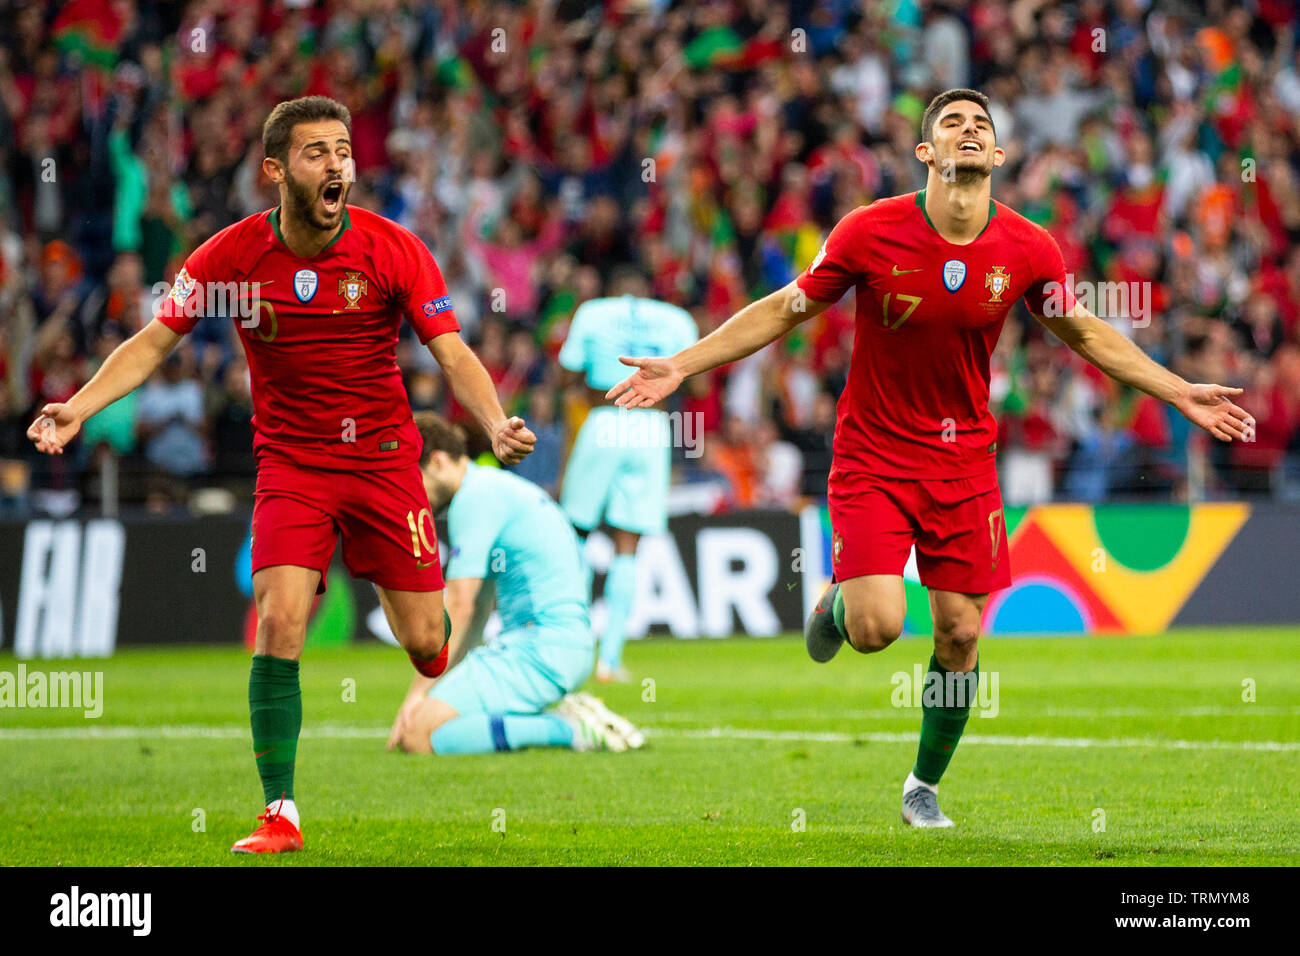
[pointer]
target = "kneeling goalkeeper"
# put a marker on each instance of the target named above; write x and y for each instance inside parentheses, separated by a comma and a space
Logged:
(504, 528)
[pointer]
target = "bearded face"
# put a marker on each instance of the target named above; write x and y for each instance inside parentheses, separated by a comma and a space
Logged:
(318, 202)
(318, 175)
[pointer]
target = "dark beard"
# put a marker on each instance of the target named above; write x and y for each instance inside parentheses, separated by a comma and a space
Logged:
(441, 498)
(969, 176)
(302, 203)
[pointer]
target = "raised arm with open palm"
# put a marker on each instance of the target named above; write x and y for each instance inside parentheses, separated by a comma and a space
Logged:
(753, 327)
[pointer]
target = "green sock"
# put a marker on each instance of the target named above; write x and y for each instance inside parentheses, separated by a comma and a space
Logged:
(275, 712)
(942, 722)
(837, 613)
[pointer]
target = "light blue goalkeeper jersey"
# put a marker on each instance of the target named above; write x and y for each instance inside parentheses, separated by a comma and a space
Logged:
(506, 528)
(604, 329)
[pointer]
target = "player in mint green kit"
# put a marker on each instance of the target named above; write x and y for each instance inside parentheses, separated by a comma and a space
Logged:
(506, 529)
(618, 470)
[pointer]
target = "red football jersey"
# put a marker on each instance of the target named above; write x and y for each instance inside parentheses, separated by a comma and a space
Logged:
(320, 333)
(928, 317)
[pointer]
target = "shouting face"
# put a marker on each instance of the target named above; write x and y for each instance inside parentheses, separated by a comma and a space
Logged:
(319, 173)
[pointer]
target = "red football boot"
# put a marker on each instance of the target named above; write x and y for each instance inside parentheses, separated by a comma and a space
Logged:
(276, 835)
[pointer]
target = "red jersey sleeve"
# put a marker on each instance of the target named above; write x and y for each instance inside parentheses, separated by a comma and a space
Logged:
(842, 261)
(1049, 291)
(182, 306)
(418, 287)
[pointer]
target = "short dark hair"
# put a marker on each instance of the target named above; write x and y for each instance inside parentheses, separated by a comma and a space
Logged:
(624, 274)
(931, 115)
(277, 131)
(439, 434)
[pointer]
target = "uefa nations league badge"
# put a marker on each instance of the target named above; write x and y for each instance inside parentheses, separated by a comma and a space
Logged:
(954, 274)
(304, 284)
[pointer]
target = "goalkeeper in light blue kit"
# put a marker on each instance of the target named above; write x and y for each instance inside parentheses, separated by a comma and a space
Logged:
(495, 697)
(619, 468)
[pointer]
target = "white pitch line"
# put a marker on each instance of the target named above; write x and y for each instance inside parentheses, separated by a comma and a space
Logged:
(1085, 713)
(346, 732)
(1239, 710)
(1032, 740)
(181, 732)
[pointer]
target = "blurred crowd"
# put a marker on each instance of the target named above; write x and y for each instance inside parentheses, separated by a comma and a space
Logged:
(533, 145)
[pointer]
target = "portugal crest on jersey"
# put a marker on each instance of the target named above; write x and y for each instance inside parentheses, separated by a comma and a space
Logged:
(954, 274)
(304, 285)
(352, 287)
(997, 282)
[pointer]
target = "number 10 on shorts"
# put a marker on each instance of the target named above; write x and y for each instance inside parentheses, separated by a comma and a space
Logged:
(416, 523)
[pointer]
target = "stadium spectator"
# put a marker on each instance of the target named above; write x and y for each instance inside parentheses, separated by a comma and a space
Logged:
(542, 467)
(780, 468)
(813, 442)
(170, 417)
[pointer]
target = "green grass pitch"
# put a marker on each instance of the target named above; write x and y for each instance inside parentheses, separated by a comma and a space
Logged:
(748, 740)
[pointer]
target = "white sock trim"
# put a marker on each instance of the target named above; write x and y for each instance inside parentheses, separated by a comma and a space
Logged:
(912, 783)
(287, 809)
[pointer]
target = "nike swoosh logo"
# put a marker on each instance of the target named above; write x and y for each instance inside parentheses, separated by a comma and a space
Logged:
(421, 565)
(263, 753)
(903, 272)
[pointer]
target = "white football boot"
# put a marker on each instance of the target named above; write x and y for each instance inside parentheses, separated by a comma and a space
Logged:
(615, 725)
(588, 731)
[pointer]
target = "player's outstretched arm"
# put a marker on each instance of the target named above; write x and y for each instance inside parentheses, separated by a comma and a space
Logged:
(753, 327)
(473, 388)
(123, 371)
(458, 598)
(1207, 406)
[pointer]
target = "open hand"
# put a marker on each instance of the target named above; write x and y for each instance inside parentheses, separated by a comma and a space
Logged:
(1208, 406)
(654, 380)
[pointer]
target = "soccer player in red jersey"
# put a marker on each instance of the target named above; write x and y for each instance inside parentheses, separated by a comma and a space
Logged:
(318, 290)
(935, 273)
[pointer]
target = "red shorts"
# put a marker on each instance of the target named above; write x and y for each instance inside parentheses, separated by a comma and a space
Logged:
(956, 524)
(384, 517)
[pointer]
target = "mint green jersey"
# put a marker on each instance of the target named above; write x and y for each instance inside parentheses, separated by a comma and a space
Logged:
(505, 528)
(604, 329)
